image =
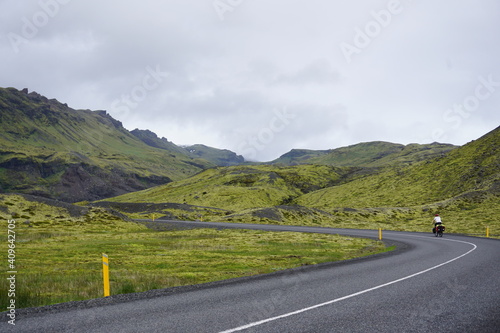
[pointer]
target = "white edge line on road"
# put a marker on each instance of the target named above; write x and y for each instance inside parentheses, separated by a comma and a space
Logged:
(260, 322)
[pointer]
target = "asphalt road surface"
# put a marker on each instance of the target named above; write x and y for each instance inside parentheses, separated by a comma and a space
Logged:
(449, 284)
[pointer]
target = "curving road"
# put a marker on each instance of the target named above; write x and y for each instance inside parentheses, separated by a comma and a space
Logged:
(429, 284)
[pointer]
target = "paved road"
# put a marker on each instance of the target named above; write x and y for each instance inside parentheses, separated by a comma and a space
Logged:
(449, 284)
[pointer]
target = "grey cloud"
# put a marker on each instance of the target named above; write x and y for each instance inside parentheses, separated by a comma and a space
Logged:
(318, 72)
(226, 78)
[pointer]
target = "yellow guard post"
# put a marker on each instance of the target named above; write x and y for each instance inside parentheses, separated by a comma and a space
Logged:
(105, 274)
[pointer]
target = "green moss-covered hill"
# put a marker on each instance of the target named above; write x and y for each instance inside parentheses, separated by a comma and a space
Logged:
(220, 157)
(366, 154)
(463, 184)
(241, 187)
(471, 172)
(51, 150)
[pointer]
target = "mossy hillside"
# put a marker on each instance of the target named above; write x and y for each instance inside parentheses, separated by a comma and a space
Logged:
(367, 154)
(58, 253)
(299, 156)
(88, 137)
(169, 211)
(45, 142)
(459, 217)
(463, 215)
(467, 216)
(151, 139)
(240, 187)
(380, 154)
(220, 157)
(61, 218)
(468, 169)
(463, 186)
(281, 214)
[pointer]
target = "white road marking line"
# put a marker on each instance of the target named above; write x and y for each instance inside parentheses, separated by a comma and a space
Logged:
(260, 322)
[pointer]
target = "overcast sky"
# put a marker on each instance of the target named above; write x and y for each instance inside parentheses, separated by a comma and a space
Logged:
(261, 77)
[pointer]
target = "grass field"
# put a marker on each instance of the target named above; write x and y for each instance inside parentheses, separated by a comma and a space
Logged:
(58, 257)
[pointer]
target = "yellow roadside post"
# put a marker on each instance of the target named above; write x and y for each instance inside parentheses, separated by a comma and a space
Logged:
(488, 232)
(380, 233)
(105, 274)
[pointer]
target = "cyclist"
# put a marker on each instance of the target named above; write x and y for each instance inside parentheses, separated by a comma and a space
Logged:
(437, 221)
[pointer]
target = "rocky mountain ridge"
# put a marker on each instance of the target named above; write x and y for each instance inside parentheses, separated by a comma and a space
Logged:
(51, 150)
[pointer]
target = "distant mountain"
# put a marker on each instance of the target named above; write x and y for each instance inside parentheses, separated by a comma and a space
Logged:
(367, 154)
(151, 139)
(51, 150)
(299, 156)
(220, 157)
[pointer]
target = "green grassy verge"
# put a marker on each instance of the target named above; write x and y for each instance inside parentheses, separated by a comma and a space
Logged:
(58, 257)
